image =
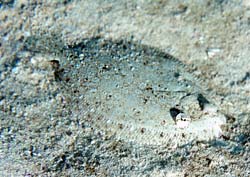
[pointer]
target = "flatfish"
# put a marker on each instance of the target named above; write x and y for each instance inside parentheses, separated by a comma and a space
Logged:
(133, 92)
(139, 94)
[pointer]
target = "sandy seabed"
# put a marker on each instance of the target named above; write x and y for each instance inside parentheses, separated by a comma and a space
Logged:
(87, 88)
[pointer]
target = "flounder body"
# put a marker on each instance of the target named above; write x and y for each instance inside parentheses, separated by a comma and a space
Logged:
(129, 91)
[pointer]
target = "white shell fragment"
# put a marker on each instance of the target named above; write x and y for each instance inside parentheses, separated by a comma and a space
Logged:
(135, 88)
(212, 52)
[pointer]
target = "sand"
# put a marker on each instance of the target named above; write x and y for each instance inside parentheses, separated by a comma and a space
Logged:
(87, 88)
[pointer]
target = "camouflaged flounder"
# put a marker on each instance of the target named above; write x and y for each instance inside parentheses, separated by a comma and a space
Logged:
(136, 93)
(140, 94)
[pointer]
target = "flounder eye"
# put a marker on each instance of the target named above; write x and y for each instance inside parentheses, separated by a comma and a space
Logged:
(182, 120)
